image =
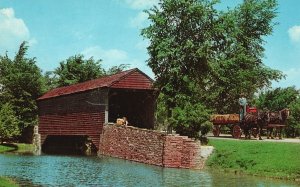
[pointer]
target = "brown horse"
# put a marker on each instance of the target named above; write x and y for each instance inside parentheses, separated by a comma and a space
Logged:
(278, 121)
(249, 122)
(263, 119)
(255, 121)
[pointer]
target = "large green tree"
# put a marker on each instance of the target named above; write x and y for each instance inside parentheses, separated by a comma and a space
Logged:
(21, 84)
(238, 65)
(200, 54)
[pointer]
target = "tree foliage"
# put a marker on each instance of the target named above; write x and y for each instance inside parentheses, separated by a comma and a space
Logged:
(22, 83)
(76, 69)
(200, 54)
(293, 129)
(277, 99)
(8, 123)
(280, 98)
(116, 69)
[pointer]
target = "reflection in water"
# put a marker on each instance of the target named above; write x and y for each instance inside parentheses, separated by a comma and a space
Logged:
(105, 171)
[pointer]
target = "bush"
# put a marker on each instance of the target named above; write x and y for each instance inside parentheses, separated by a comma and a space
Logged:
(191, 120)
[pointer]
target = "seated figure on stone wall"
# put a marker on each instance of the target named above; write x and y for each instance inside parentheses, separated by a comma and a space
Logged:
(122, 121)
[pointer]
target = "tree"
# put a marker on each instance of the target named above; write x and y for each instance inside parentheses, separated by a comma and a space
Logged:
(116, 69)
(293, 129)
(277, 99)
(201, 55)
(239, 67)
(8, 123)
(22, 84)
(280, 98)
(77, 69)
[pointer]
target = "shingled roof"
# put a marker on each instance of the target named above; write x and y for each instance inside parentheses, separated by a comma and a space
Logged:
(130, 79)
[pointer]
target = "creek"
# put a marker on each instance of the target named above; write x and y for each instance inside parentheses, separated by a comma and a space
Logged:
(58, 170)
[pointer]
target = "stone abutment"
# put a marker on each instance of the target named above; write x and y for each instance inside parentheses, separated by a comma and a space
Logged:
(150, 147)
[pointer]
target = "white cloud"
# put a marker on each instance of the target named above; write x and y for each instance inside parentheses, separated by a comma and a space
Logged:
(110, 57)
(140, 20)
(292, 79)
(141, 4)
(13, 31)
(294, 33)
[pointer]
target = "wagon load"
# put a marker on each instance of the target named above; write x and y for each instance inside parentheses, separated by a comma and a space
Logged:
(225, 118)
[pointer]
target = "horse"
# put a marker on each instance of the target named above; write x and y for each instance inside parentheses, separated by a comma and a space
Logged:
(277, 121)
(249, 122)
(263, 119)
(257, 120)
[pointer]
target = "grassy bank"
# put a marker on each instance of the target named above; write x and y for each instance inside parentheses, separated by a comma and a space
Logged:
(16, 148)
(270, 159)
(6, 182)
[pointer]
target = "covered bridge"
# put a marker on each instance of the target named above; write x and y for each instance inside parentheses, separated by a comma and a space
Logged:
(80, 110)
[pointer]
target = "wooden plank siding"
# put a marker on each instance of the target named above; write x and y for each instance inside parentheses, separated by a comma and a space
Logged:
(89, 124)
(75, 114)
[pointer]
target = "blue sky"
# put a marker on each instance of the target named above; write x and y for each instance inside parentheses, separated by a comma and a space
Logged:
(110, 30)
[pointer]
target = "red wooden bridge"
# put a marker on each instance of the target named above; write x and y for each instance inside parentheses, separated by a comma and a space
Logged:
(82, 109)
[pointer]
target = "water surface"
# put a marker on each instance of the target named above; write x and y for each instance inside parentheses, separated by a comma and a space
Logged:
(47, 170)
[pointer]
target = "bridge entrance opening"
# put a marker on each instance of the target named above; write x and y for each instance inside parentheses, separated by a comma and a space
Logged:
(68, 145)
(136, 106)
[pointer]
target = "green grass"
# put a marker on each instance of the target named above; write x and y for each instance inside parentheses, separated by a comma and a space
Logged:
(6, 182)
(5, 148)
(16, 148)
(270, 159)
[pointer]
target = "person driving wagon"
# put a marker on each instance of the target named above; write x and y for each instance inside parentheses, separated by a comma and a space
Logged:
(243, 106)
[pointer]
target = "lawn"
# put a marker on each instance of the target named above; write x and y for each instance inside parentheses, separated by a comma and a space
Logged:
(4, 148)
(16, 147)
(6, 182)
(271, 159)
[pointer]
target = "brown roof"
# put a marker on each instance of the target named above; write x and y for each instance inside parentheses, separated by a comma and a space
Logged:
(130, 79)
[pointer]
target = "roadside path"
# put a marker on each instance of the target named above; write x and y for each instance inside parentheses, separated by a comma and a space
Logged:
(229, 137)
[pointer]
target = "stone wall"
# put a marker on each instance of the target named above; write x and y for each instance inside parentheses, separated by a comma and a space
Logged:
(150, 147)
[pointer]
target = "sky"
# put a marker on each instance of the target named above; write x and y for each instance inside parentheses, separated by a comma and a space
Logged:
(110, 30)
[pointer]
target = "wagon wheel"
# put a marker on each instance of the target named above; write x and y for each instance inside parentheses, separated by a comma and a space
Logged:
(236, 131)
(254, 132)
(216, 130)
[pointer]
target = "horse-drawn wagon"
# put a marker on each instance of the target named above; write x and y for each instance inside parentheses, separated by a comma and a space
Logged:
(236, 125)
(253, 122)
(230, 120)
